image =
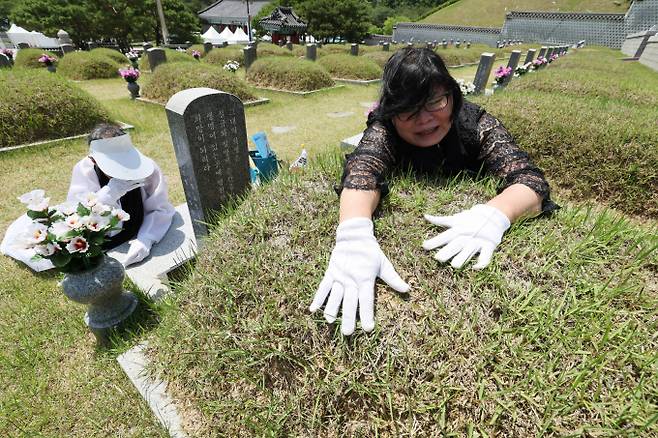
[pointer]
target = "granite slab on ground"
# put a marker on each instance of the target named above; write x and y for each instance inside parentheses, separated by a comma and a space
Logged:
(351, 142)
(176, 247)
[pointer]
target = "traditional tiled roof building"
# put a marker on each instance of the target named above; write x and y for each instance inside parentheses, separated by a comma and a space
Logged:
(230, 13)
(284, 23)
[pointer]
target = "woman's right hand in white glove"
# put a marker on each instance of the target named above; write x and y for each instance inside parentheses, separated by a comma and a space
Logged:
(116, 188)
(355, 263)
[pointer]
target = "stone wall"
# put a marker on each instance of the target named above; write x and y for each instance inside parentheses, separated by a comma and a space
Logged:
(650, 55)
(608, 30)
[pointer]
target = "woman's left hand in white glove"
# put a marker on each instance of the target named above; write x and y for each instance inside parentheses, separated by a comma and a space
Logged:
(477, 230)
(138, 251)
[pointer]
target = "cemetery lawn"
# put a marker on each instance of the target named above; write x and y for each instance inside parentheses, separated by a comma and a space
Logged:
(491, 13)
(557, 337)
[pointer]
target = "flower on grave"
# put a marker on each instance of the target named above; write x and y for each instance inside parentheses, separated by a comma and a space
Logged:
(502, 73)
(522, 69)
(47, 59)
(130, 74)
(539, 62)
(466, 87)
(8, 53)
(196, 54)
(553, 57)
(232, 66)
(71, 234)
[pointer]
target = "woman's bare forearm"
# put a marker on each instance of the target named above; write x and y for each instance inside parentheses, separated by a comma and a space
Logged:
(358, 203)
(517, 201)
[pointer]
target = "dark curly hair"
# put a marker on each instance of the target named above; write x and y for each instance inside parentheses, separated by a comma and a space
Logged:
(104, 130)
(410, 78)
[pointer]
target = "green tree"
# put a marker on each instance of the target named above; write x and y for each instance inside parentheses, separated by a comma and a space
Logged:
(348, 19)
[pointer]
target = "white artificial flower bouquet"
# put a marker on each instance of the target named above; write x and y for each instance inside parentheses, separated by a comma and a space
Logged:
(71, 235)
(466, 87)
(232, 66)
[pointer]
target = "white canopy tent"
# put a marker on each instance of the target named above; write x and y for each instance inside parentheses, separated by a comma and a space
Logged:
(239, 37)
(18, 35)
(226, 35)
(44, 41)
(212, 36)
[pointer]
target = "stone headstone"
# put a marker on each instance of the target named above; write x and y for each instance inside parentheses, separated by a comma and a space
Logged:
(484, 71)
(23, 45)
(530, 56)
(311, 52)
(92, 45)
(458, 43)
(156, 57)
(542, 52)
(67, 48)
(386, 47)
(224, 43)
(497, 44)
(410, 45)
(209, 134)
(513, 63)
(4, 61)
(289, 45)
(549, 52)
(207, 47)
(147, 46)
(63, 37)
(428, 45)
(444, 43)
(249, 56)
(468, 45)
(354, 50)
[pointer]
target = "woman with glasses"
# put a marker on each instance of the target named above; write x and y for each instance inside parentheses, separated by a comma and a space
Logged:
(423, 123)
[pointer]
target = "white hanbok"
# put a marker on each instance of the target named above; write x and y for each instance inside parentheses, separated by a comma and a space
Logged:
(158, 212)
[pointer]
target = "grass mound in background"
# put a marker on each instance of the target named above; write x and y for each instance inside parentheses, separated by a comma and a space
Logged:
(380, 58)
(173, 56)
(593, 134)
(29, 58)
(88, 65)
(288, 74)
(264, 50)
(115, 55)
(351, 67)
(197, 47)
(38, 105)
(567, 308)
(220, 56)
(169, 79)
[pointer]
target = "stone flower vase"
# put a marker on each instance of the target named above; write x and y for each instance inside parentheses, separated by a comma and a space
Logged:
(101, 289)
(133, 87)
(51, 68)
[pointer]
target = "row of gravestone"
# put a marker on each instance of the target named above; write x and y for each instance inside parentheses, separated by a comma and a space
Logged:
(487, 61)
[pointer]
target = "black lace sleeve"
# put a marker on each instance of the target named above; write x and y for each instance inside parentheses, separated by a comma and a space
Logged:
(373, 158)
(503, 158)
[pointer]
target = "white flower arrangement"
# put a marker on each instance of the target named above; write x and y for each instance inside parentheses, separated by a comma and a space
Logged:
(232, 66)
(70, 235)
(466, 87)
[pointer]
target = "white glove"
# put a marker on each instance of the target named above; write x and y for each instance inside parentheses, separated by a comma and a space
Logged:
(138, 251)
(479, 229)
(116, 188)
(355, 263)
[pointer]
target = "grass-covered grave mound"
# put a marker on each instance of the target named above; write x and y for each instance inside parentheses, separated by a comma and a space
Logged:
(351, 67)
(88, 65)
(115, 55)
(593, 134)
(380, 57)
(198, 47)
(290, 74)
(556, 337)
(29, 58)
(169, 79)
(38, 105)
(221, 55)
(264, 50)
(172, 55)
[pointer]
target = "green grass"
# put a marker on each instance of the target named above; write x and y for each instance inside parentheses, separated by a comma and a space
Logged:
(491, 13)
(29, 58)
(88, 65)
(557, 336)
(290, 74)
(351, 67)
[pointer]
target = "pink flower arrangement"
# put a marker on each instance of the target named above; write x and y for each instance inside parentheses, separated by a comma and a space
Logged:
(47, 59)
(8, 53)
(196, 54)
(553, 58)
(130, 74)
(539, 62)
(70, 235)
(502, 73)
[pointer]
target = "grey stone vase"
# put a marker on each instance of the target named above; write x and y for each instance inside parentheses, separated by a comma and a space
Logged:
(51, 68)
(101, 288)
(133, 87)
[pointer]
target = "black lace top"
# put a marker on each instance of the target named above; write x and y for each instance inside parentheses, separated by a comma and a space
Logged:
(476, 141)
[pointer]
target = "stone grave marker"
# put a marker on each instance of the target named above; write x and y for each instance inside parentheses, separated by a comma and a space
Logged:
(4, 61)
(63, 37)
(386, 47)
(156, 57)
(468, 45)
(458, 43)
(354, 50)
(484, 71)
(311, 52)
(513, 63)
(207, 47)
(92, 45)
(209, 134)
(67, 48)
(147, 46)
(410, 45)
(529, 56)
(224, 43)
(549, 52)
(428, 45)
(23, 45)
(250, 56)
(542, 52)
(289, 45)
